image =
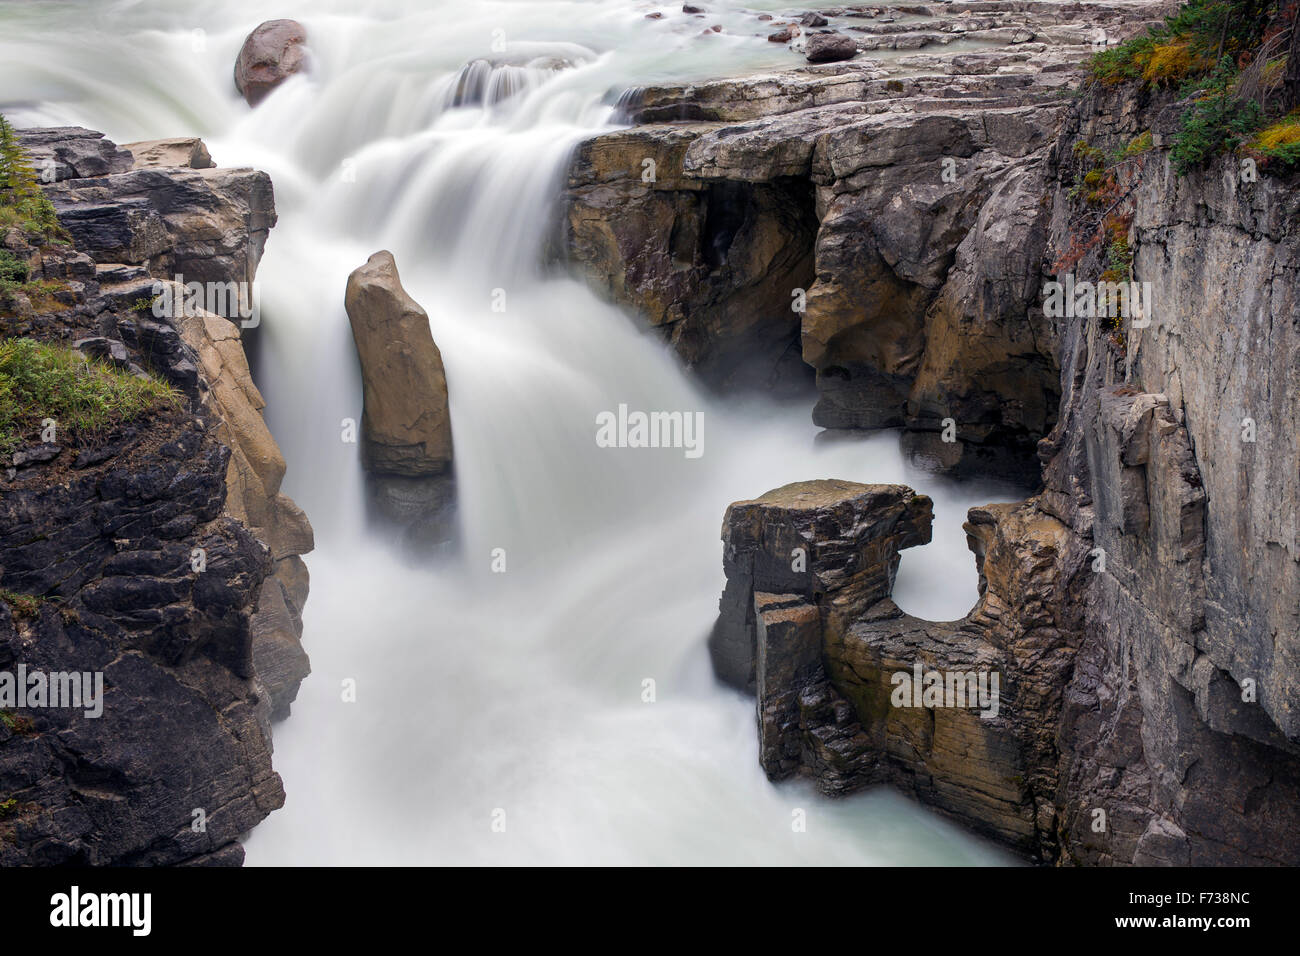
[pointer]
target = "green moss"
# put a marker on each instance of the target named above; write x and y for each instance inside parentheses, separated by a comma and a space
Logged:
(85, 398)
(8, 807)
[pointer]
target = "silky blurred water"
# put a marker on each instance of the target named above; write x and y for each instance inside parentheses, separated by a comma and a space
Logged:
(480, 692)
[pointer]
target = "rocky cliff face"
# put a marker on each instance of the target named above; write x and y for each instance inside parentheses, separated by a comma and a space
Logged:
(1141, 611)
(1181, 714)
(163, 556)
(856, 219)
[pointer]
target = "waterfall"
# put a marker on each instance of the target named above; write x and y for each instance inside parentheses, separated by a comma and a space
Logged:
(478, 691)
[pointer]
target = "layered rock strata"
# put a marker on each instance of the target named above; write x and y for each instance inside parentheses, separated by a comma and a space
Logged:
(1141, 610)
(162, 556)
(151, 229)
(855, 219)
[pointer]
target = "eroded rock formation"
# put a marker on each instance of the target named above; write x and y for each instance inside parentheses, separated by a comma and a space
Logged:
(1142, 610)
(856, 216)
(406, 444)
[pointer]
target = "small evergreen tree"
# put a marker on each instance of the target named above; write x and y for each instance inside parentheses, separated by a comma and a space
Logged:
(22, 201)
(17, 177)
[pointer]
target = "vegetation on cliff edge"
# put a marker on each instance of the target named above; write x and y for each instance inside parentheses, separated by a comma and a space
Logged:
(1235, 65)
(85, 398)
(22, 203)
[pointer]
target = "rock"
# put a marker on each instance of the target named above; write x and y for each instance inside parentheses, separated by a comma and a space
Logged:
(736, 251)
(1179, 621)
(69, 152)
(805, 539)
(254, 498)
(36, 454)
(112, 546)
(830, 48)
(784, 35)
(100, 347)
(813, 20)
(1121, 606)
(272, 53)
(110, 541)
(186, 151)
(207, 225)
(1141, 671)
(406, 425)
(807, 623)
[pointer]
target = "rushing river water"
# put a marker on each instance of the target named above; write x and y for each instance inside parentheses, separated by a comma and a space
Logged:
(480, 691)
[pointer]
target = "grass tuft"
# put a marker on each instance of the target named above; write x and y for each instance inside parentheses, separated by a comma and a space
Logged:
(85, 398)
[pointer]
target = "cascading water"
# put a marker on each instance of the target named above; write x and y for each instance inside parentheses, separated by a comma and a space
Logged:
(479, 691)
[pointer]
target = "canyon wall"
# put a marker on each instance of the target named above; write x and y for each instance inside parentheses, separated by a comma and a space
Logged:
(1142, 611)
(164, 554)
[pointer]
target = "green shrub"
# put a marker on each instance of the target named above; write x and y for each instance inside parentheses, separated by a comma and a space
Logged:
(23, 606)
(1215, 124)
(85, 398)
(12, 269)
(1279, 141)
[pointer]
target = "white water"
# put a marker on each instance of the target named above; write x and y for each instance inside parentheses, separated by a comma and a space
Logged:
(477, 691)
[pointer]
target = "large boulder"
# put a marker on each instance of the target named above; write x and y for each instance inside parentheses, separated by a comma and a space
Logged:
(830, 48)
(406, 422)
(270, 55)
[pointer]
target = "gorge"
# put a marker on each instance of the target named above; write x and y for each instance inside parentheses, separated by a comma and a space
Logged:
(833, 255)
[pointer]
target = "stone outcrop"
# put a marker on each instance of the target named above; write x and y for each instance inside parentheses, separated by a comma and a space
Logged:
(808, 623)
(406, 445)
(206, 225)
(272, 53)
(108, 545)
(164, 555)
(70, 152)
(185, 152)
(145, 228)
(1141, 610)
(1181, 720)
(852, 219)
